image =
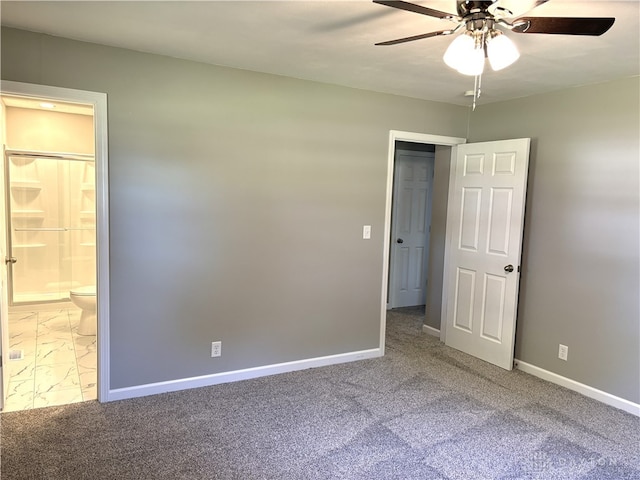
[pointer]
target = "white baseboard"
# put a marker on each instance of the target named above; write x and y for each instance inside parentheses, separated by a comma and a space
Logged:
(234, 376)
(585, 390)
(431, 331)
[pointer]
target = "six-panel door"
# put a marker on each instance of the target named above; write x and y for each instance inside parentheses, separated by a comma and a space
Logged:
(485, 219)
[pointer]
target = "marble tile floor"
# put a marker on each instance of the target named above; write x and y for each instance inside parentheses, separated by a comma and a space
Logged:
(58, 365)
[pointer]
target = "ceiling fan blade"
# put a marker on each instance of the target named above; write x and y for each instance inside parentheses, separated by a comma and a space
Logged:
(416, 37)
(539, 2)
(563, 25)
(410, 7)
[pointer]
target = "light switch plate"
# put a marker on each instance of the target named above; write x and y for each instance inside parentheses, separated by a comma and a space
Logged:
(366, 232)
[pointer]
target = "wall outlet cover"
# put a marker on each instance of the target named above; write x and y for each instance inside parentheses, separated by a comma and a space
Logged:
(563, 352)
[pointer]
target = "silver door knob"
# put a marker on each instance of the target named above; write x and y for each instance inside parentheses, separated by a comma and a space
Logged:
(508, 268)
(399, 240)
(10, 259)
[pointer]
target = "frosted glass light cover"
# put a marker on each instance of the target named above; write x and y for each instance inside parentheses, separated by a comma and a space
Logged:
(474, 63)
(463, 56)
(458, 50)
(502, 52)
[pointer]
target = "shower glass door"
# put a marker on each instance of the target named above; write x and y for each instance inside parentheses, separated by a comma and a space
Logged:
(51, 216)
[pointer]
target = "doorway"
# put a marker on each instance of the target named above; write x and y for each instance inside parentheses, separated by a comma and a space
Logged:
(55, 244)
(485, 204)
(434, 253)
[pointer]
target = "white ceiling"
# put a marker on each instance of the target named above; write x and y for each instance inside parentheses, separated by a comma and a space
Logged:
(333, 42)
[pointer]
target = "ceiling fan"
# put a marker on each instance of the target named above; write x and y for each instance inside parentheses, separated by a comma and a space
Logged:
(477, 20)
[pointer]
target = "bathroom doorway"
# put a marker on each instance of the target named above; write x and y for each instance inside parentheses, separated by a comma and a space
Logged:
(50, 313)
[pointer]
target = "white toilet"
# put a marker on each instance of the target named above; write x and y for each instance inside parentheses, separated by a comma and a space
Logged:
(85, 299)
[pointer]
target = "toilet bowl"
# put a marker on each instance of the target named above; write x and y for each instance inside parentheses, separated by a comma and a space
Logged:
(85, 299)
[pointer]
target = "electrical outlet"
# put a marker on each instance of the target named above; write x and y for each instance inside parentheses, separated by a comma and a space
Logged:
(216, 349)
(563, 352)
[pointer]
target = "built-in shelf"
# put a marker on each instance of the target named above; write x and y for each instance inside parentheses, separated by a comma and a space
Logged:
(20, 161)
(27, 213)
(26, 185)
(87, 187)
(88, 244)
(87, 213)
(30, 245)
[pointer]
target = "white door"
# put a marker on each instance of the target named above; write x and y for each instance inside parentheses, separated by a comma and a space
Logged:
(410, 230)
(4, 299)
(484, 227)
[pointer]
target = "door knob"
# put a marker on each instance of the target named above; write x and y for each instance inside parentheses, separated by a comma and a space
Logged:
(10, 259)
(399, 240)
(508, 268)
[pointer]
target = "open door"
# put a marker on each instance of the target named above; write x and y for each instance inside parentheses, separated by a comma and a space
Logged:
(484, 228)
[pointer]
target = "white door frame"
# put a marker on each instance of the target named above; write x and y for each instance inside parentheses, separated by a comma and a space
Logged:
(397, 135)
(99, 103)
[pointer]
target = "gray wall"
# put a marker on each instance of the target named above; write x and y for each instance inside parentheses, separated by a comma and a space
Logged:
(439, 200)
(581, 276)
(237, 205)
(238, 199)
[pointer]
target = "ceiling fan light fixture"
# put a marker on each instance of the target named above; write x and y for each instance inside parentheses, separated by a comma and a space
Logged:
(465, 55)
(501, 51)
(474, 65)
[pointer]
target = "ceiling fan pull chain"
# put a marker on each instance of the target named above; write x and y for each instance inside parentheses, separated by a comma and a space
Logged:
(477, 86)
(476, 90)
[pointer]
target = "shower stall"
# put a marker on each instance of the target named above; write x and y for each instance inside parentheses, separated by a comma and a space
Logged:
(51, 224)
